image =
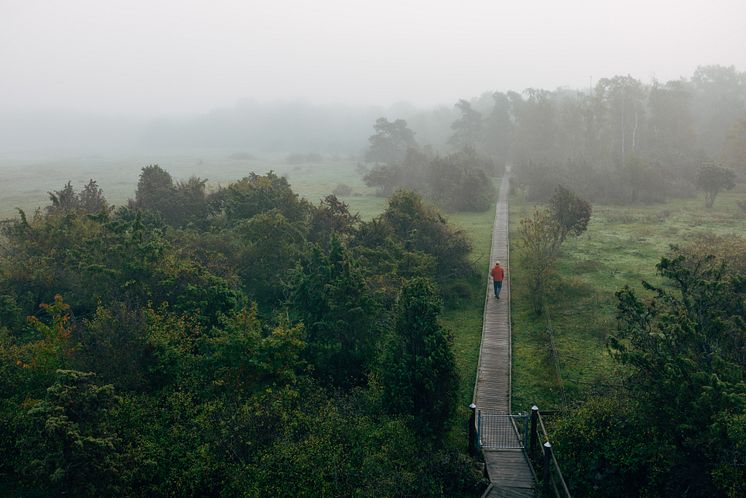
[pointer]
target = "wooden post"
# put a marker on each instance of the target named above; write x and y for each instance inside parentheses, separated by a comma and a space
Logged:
(534, 437)
(547, 469)
(473, 430)
(479, 428)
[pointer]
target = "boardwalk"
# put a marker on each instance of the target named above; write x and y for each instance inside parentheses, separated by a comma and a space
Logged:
(508, 469)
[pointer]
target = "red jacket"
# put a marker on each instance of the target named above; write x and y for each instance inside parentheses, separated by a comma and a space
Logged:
(498, 274)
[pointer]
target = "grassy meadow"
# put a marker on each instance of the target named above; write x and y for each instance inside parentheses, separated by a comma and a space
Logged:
(621, 247)
(27, 181)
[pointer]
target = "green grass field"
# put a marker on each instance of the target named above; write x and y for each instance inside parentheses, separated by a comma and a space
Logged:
(465, 320)
(26, 181)
(621, 247)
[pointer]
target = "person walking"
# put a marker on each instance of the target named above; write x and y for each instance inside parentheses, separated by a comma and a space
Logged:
(498, 275)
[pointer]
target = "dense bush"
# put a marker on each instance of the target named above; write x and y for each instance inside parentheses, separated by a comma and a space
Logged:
(222, 345)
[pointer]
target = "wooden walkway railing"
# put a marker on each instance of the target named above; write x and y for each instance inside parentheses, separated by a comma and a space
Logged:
(552, 481)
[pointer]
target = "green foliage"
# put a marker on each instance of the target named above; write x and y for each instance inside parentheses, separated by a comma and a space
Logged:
(384, 177)
(391, 141)
(241, 358)
(162, 302)
(69, 447)
(686, 351)
(418, 374)
(468, 128)
(90, 259)
(340, 314)
(272, 246)
(422, 228)
(331, 218)
(257, 194)
(713, 179)
(89, 200)
(459, 182)
(570, 211)
(540, 244)
(542, 235)
(180, 204)
(456, 182)
(607, 447)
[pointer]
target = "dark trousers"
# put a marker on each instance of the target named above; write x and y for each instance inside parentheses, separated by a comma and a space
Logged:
(498, 285)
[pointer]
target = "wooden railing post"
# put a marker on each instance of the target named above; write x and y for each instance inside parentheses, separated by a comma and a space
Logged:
(547, 470)
(534, 437)
(479, 429)
(473, 430)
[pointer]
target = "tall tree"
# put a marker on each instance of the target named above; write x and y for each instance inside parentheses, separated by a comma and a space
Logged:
(73, 450)
(735, 147)
(390, 142)
(719, 100)
(687, 357)
(468, 129)
(670, 130)
(713, 179)
(622, 98)
(570, 211)
(339, 313)
(418, 371)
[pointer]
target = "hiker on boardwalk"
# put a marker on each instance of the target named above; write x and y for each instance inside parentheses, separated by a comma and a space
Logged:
(498, 275)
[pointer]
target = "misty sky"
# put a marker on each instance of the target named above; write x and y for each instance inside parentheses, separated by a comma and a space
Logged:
(155, 57)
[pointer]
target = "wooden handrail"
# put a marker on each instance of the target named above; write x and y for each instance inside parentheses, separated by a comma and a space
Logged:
(545, 445)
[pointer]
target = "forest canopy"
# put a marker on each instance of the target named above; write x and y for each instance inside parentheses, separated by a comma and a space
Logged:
(234, 342)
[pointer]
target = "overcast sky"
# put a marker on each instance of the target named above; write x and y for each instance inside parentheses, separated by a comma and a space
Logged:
(160, 57)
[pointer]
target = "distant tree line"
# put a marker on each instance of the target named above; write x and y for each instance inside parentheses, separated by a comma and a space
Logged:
(241, 342)
(622, 141)
(460, 181)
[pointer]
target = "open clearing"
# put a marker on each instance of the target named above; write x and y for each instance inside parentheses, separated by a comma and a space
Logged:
(621, 247)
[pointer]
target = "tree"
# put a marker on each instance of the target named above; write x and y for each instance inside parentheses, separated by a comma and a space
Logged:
(459, 181)
(271, 246)
(622, 99)
(257, 194)
(418, 370)
(540, 244)
(499, 130)
(90, 200)
(339, 313)
(155, 189)
(331, 218)
(63, 200)
(243, 358)
(687, 358)
(190, 202)
(390, 143)
(570, 211)
(713, 179)
(535, 126)
(467, 129)
(670, 134)
(542, 235)
(735, 147)
(72, 449)
(719, 101)
(420, 227)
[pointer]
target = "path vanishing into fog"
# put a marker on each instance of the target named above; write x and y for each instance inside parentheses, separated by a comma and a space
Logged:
(506, 462)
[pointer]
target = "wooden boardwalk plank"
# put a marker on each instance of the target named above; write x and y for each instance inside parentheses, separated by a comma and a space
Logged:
(508, 469)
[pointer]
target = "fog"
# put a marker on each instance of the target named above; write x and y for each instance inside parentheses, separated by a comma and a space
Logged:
(132, 76)
(150, 59)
